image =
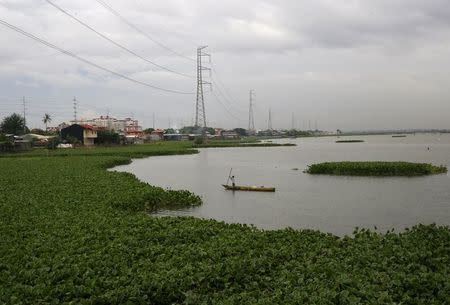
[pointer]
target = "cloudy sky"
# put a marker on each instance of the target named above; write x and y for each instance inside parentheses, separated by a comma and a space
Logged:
(353, 64)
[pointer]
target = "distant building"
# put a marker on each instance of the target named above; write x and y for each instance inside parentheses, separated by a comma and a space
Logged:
(56, 129)
(84, 133)
(157, 135)
(226, 134)
(128, 127)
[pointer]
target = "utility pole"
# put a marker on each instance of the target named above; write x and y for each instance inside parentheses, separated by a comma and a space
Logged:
(269, 123)
(251, 120)
(24, 114)
(292, 122)
(200, 113)
(108, 122)
(153, 121)
(75, 110)
(170, 123)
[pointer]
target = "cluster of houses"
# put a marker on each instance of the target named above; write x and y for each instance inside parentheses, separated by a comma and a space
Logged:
(86, 131)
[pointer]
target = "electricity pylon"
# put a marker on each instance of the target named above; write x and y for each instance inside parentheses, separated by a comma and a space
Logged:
(75, 111)
(200, 113)
(251, 120)
(269, 123)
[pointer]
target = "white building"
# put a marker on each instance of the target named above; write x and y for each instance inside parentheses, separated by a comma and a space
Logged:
(127, 126)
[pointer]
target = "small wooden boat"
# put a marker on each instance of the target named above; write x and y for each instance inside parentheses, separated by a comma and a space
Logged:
(248, 188)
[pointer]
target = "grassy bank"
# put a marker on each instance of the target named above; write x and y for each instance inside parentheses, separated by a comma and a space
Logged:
(74, 233)
(375, 168)
(133, 151)
(144, 150)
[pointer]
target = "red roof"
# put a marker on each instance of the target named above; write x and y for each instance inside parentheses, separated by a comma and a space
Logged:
(86, 126)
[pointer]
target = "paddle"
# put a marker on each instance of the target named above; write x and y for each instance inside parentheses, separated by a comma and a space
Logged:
(229, 175)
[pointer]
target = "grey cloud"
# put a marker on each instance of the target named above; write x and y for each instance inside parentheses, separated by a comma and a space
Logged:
(321, 59)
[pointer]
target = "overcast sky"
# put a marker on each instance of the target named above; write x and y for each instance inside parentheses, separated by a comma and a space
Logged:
(350, 64)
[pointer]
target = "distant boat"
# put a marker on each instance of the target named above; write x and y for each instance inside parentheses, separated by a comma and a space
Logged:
(248, 188)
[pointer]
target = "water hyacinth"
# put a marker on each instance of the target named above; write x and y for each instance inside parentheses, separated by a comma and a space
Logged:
(375, 168)
(74, 233)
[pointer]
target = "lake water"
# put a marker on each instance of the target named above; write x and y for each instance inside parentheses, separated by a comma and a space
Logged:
(334, 204)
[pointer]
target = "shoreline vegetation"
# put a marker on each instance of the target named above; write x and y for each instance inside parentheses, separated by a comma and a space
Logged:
(224, 145)
(349, 141)
(75, 233)
(375, 168)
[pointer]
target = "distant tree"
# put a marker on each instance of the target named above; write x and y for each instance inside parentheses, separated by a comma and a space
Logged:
(169, 131)
(148, 130)
(199, 140)
(188, 130)
(53, 143)
(38, 131)
(107, 137)
(46, 119)
(14, 124)
(240, 131)
(72, 140)
(197, 130)
(210, 130)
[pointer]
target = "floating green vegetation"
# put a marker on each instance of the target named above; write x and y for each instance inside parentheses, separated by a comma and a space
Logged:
(349, 141)
(74, 233)
(375, 168)
(399, 136)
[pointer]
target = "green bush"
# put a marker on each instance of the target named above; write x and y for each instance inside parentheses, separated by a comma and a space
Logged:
(52, 143)
(199, 140)
(107, 137)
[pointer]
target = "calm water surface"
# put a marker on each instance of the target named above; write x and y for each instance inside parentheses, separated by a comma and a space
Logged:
(330, 204)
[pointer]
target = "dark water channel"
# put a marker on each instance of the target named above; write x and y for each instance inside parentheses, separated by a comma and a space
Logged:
(330, 204)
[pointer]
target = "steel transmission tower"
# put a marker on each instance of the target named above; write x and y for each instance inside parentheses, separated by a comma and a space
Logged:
(269, 123)
(200, 114)
(251, 120)
(75, 110)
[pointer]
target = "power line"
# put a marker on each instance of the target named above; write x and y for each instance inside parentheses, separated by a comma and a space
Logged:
(182, 36)
(118, 15)
(224, 96)
(48, 44)
(224, 107)
(222, 84)
(116, 43)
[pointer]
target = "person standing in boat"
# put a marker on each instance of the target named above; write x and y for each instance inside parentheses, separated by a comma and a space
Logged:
(232, 181)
